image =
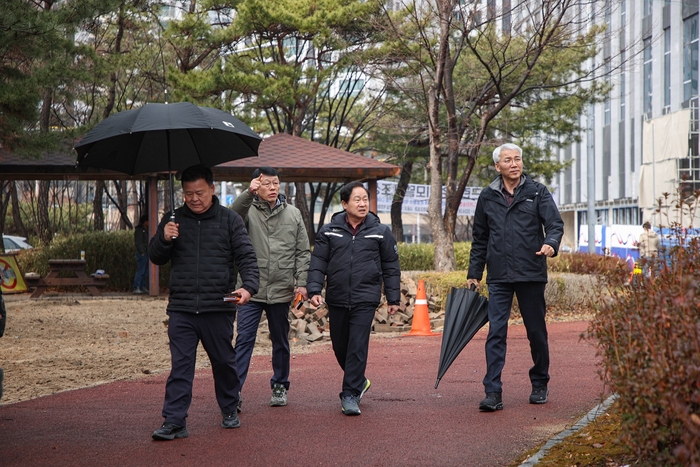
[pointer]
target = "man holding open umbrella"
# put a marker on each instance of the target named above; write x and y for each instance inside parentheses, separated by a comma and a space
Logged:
(516, 227)
(205, 244)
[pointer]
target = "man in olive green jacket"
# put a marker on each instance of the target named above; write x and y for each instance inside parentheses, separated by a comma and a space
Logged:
(281, 245)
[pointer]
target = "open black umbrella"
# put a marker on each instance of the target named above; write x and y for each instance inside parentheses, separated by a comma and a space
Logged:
(166, 137)
(466, 311)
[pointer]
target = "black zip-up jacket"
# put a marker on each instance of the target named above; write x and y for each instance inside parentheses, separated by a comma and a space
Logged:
(204, 256)
(506, 238)
(355, 266)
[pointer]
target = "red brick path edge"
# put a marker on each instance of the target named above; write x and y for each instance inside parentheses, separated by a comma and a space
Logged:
(404, 421)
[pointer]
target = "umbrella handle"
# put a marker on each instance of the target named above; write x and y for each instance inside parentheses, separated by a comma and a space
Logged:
(172, 219)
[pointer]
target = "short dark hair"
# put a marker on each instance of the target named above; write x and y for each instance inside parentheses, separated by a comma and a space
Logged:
(346, 191)
(196, 172)
(269, 171)
(143, 218)
(646, 225)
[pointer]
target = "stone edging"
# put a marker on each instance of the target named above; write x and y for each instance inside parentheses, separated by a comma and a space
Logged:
(588, 418)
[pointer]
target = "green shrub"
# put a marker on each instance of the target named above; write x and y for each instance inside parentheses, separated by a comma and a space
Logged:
(419, 256)
(649, 337)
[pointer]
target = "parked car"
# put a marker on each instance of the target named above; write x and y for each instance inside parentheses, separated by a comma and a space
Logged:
(14, 244)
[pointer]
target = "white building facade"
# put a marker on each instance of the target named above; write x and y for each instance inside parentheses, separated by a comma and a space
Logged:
(642, 141)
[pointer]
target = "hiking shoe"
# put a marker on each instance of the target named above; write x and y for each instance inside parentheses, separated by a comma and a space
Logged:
(137, 291)
(240, 403)
(365, 387)
(350, 405)
(279, 396)
(230, 420)
(491, 403)
(539, 395)
(170, 431)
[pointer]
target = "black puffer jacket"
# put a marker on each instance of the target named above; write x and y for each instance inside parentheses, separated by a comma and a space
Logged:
(355, 267)
(204, 257)
(506, 238)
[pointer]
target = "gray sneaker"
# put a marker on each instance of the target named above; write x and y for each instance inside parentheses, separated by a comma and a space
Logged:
(279, 396)
(350, 405)
(230, 420)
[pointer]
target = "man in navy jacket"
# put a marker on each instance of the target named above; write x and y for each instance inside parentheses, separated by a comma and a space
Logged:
(355, 254)
(516, 227)
(205, 245)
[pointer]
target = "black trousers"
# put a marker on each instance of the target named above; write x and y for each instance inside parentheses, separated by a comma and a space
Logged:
(533, 309)
(350, 329)
(215, 331)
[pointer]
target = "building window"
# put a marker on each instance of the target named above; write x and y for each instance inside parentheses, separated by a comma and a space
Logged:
(626, 216)
(667, 69)
(690, 57)
(647, 7)
(606, 104)
(647, 75)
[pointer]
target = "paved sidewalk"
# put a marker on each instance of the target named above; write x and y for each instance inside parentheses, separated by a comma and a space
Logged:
(404, 421)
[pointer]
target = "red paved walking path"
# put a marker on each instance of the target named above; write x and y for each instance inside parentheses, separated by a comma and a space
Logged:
(404, 421)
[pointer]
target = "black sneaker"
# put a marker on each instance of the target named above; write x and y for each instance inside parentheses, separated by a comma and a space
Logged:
(365, 387)
(170, 431)
(539, 395)
(350, 405)
(230, 420)
(279, 396)
(491, 403)
(240, 403)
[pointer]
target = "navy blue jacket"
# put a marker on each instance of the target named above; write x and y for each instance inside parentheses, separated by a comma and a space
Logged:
(355, 266)
(204, 257)
(506, 238)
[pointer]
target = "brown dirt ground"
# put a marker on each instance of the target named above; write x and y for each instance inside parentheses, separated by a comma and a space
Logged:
(53, 345)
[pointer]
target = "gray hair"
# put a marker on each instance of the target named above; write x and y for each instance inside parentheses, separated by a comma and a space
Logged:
(511, 146)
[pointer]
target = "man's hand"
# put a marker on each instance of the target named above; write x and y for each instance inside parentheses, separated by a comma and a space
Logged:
(473, 282)
(254, 185)
(244, 296)
(302, 291)
(392, 309)
(546, 250)
(170, 231)
(317, 300)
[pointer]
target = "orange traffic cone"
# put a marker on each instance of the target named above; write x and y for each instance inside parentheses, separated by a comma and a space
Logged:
(421, 320)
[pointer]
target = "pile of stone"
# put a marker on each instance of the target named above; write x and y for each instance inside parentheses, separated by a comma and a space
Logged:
(311, 324)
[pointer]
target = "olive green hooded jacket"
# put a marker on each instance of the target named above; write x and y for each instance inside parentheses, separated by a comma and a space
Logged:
(281, 245)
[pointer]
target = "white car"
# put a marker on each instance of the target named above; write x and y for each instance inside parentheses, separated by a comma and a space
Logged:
(13, 244)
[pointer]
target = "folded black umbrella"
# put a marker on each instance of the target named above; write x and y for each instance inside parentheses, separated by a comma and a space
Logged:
(466, 311)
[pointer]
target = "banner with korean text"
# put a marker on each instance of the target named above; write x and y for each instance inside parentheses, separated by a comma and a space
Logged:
(417, 196)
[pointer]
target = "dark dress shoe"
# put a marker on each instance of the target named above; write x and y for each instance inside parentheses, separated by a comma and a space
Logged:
(539, 395)
(170, 431)
(491, 403)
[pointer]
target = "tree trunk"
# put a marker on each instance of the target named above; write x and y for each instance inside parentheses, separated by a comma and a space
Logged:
(43, 227)
(4, 203)
(98, 214)
(16, 214)
(300, 203)
(397, 202)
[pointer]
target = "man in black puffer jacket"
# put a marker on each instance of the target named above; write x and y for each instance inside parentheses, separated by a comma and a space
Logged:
(205, 245)
(517, 226)
(355, 254)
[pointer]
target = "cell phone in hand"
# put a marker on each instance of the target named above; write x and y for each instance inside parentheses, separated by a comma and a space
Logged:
(232, 297)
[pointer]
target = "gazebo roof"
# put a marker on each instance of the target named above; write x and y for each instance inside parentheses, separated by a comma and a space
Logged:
(297, 159)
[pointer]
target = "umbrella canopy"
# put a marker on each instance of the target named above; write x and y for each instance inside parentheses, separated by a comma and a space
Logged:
(166, 137)
(466, 312)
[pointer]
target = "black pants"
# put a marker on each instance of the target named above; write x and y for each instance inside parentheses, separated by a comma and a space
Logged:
(185, 330)
(350, 329)
(532, 308)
